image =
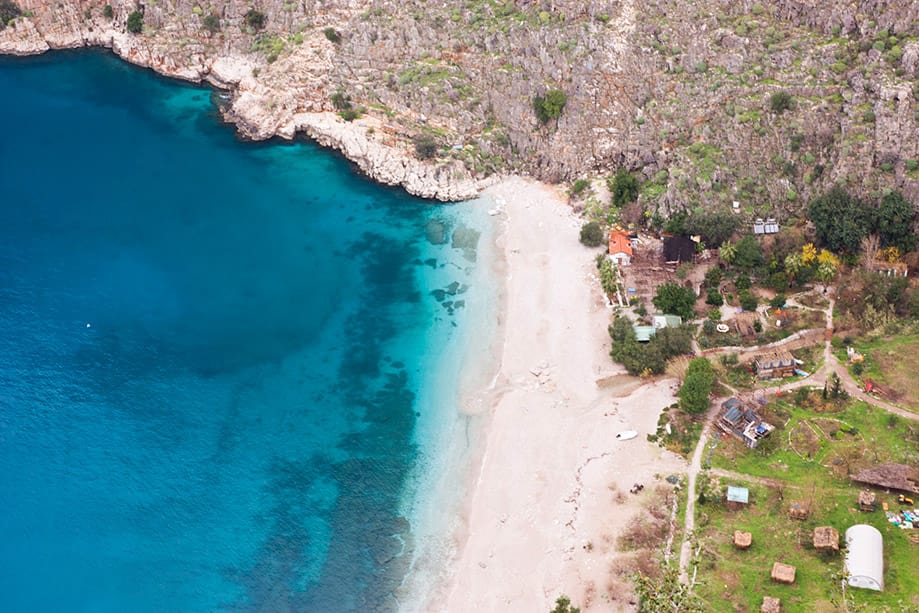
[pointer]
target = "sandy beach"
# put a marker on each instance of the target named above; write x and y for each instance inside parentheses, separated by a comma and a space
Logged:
(540, 517)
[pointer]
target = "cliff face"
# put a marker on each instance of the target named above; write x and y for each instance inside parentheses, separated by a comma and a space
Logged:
(683, 91)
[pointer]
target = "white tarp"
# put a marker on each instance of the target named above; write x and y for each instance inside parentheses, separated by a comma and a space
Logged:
(865, 557)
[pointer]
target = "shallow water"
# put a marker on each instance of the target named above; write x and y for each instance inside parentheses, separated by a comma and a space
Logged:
(211, 353)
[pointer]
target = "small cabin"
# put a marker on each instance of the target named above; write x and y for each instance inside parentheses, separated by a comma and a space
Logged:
(744, 423)
(620, 247)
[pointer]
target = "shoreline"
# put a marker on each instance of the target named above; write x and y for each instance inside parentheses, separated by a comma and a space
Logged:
(254, 112)
(537, 519)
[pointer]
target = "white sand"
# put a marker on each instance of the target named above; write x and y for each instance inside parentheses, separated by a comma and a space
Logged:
(540, 518)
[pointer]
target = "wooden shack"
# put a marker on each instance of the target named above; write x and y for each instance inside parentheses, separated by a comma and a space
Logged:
(826, 539)
(783, 573)
(742, 540)
(771, 605)
(774, 365)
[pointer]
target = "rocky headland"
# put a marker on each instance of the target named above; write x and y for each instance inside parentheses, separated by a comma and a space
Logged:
(681, 91)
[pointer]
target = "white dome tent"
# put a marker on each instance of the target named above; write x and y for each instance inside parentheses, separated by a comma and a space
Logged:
(865, 557)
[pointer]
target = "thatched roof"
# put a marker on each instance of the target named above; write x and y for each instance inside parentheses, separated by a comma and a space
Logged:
(891, 476)
(771, 605)
(783, 573)
(826, 538)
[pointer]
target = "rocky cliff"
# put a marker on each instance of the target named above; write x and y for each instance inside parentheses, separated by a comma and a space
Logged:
(712, 101)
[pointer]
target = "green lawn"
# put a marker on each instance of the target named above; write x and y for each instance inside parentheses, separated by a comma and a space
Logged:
(890, 361)
(809, 461)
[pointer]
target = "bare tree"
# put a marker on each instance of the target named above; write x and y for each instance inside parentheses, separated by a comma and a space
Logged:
(871, 244)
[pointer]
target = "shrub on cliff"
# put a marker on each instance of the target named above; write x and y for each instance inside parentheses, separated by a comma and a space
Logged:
(211, 23)
(550, 106)
(780, 102)
(426, 146)
(108, 12)
(592, 235)
(332, 35)
(9, 11)
(255, 19)
(136, 22)
(623, 186)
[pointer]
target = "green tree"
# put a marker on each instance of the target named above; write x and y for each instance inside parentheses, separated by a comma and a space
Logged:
(697, 386)
(715, 227)
(793, 264)
(255, 19)
(211, 23)
(840, 220)
(136, 22)
(426, 146)
(592, 234)
(747, 300)
(895, 219)
(749, 253)
(713, 297)
(563, 605)
(550, 106)
(624, 187)
(332, 35)
(108, 12)
(672, 298)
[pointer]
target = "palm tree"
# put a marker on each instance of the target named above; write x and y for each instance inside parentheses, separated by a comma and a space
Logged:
(793, 264)
(728, 252)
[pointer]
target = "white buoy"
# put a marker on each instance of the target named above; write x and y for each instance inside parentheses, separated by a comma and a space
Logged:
(89, 325)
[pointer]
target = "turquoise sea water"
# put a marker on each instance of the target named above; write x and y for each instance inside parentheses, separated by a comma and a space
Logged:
(211, 354)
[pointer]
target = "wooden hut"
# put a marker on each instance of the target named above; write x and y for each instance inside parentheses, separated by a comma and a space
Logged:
(771, 605)
(743, 540)
(774, 365)
(783, 573)
(826, 539)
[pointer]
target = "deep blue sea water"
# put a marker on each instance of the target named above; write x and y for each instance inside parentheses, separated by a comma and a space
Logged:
(211, 353)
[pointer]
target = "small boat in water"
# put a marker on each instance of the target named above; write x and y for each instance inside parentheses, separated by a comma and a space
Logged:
(626, 435)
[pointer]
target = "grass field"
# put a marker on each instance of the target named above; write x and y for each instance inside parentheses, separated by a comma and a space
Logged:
(807, 461)
(891, 361)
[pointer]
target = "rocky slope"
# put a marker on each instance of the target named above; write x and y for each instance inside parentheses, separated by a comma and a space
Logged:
(682, 91)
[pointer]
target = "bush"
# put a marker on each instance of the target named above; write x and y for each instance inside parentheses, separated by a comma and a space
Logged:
(108, 12)
(624, 187)
(743, 282)
(748, 301)
(350, 114)
(255, 19)
(579, 186)
(340, 100)
(136, 22)
(713, 297)
(9, 11)
(550, 106)
(713, 277)
(778, 302)
(426, 146)
(592, 235)
(211, 23)
(332, 35)
(780, 102)
(858, 368)
(675, 299)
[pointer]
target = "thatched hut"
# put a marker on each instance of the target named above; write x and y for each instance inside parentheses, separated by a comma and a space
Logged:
(826, 539)
(771, 605)
(798, 511)
(742, 540)
(866, 500)
(783, 573)
(901, 477)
